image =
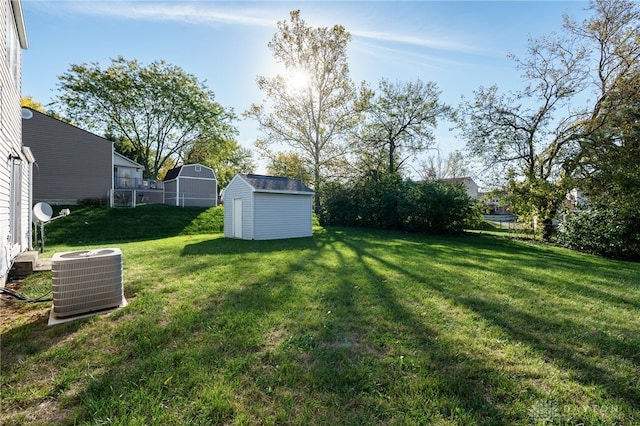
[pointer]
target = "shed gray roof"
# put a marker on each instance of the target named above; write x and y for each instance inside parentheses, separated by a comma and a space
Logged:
(178, 171)
(276, 183)
(172, 173)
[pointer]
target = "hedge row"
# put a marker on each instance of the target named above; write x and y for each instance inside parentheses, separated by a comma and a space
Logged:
(389, 202)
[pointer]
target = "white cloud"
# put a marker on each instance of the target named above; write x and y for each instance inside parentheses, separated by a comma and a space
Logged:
(178, 11)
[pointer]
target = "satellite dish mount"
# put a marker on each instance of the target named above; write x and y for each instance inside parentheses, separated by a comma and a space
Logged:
(42, 213)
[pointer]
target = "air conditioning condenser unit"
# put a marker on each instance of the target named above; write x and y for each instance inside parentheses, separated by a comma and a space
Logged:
(86, 281)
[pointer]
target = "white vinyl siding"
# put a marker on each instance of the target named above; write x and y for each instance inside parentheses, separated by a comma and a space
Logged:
(14, 211)
(267, 214)
(238, 188)
(281, 216)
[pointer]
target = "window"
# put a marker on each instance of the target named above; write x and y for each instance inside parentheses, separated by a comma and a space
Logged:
(13, 48)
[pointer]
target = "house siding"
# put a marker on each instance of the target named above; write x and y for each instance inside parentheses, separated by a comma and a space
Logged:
(282, 216)
(194, 186)
(11, 143)
(71, 164)
(238, 188)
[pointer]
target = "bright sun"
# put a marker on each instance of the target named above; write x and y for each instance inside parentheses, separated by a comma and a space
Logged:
(298, 80)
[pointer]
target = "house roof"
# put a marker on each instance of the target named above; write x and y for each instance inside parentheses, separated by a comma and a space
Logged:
(129, 162)
(263, 183)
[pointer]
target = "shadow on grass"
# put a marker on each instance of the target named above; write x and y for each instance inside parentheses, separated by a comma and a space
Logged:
(236, 246)
(330, 331)
(563, 339)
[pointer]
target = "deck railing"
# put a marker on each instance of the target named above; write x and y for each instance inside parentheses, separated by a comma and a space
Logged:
(135, 183)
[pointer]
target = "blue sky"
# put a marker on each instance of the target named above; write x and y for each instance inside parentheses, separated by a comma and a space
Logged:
(460, 45)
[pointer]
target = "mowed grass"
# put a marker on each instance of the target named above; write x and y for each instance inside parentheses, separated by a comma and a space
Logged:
(348, 327)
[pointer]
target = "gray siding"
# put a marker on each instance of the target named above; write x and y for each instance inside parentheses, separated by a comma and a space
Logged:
(170, 194)
(238, 188)
(72, 164)
(282, 216)
(197, 171)
(194, 186)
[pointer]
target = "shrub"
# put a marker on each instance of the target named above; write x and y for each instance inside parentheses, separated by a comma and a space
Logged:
(389, 202)
(602, 231)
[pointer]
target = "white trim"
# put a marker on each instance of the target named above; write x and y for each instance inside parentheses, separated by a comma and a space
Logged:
(19, 20)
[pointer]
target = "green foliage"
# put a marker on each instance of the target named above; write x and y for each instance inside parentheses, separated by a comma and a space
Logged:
(531, 131)
(225, 156)
(290, 165)
(440, 207)
(397, 123)
(389, 202)
(309, 108)
(604, 231)
(95, 201)
(159, 109)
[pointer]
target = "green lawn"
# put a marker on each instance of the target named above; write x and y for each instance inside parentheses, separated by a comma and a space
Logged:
(348, 327)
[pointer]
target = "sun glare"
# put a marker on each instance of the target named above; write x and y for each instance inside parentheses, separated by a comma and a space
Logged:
(298, 80)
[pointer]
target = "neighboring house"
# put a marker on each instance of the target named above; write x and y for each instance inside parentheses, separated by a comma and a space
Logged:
(17, 159)
(72, 164)
(469, 184)
(129, 187)
(575, 200)
(75, 165)
(191, 185)
(267, 207)
(126, 173)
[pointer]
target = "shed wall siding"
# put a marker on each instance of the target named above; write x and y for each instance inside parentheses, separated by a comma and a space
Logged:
(170, 192)
(238, 188)
(191, 185)
(282, 216)
(197, 192)
(72, 164)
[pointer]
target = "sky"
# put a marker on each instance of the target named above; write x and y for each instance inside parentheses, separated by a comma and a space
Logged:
(459, 45)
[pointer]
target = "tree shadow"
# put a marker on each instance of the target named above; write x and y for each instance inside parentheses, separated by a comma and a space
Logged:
(220, 245)
(353, 343)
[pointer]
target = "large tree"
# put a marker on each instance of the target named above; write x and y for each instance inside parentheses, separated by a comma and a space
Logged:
(532, 137)
(289, 165)
(609, 167)
(455, 165)
(397, 123)
(308, 108)
(159, 108)
(226, 158)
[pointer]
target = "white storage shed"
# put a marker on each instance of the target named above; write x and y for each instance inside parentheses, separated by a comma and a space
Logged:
(258, 207)
(191, 185)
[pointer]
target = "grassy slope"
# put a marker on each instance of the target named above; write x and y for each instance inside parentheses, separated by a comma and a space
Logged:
(347, 327)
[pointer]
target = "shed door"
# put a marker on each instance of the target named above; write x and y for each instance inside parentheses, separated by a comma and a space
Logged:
(237, 218)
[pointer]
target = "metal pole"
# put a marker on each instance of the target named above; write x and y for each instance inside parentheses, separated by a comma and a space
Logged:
(41, 237)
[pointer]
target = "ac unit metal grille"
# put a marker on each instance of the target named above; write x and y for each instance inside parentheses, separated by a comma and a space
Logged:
(86, 281)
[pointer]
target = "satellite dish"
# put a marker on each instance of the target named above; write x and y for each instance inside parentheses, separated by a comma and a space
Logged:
(26, 113)
(42, 212)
